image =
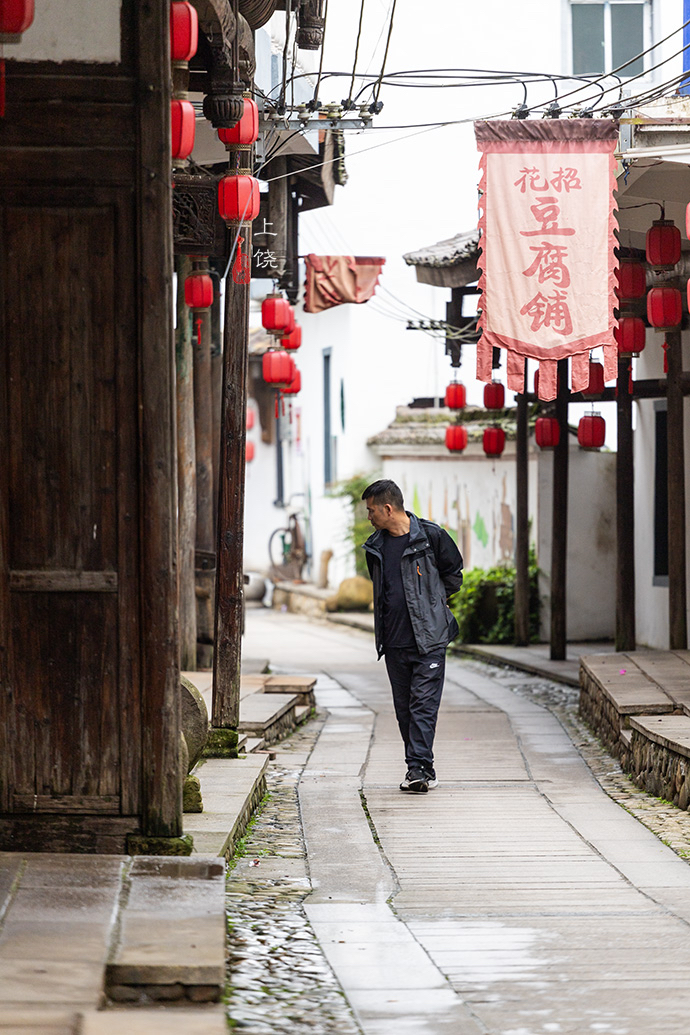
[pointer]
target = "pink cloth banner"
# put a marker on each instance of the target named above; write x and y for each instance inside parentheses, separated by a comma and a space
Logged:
(547, 238)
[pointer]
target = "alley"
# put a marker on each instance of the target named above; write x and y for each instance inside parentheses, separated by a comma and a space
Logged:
(515, 899)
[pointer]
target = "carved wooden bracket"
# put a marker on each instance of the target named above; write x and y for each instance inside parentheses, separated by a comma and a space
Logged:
(197, 226)
(311, 25)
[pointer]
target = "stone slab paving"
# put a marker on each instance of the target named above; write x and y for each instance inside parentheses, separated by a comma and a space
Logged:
(230, 790)
(524, 901)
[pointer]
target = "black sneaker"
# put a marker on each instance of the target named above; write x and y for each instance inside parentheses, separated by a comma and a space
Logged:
(416, 780)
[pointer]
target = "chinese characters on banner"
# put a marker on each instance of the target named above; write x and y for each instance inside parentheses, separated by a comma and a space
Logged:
(547, 238)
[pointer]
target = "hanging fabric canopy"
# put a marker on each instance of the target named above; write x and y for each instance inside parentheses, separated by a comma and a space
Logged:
(547, 239)
(335, 279)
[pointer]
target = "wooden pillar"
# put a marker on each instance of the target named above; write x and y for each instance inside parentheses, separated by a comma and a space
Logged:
(216, 392)
(160, 676)
(522, 587)
(205, 556)
(677, 618)
(229, 575)
(559, 528)
(186, 471)
(625, 514)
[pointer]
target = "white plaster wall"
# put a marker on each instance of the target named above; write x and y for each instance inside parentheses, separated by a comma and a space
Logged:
(72, 30)
(591, 556)
(651, 602)
(471, 495)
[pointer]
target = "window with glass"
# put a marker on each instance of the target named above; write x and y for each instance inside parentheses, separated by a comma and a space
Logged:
(608, 35)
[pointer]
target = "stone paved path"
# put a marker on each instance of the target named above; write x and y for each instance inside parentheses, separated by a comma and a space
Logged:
(516, 899)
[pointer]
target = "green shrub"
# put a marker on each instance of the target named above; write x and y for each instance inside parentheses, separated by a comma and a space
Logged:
(485, 606)
(359, 528)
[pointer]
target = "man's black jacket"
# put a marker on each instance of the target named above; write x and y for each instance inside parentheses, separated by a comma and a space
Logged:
(431, 569)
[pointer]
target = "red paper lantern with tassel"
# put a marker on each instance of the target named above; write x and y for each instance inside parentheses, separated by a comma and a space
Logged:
(664, 307)
(547, 432)
(494, 396)
(293, 340)
(630, 335)
(182, 127)
(275, 314)
(278, 369)
(591, 431)
(494, 441)
(247, 129)
(456, 438)
(238, 198)
(663, 244)
(295, 385)
(15, 18)
(631, 278)
(455, 396)
(184, 30)
(596, 379)
(198, 291)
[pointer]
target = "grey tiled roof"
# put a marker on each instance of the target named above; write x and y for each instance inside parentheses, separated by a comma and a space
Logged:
(446, 253)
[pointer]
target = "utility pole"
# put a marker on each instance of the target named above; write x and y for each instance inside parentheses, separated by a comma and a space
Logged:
(559, 533)
(625, 514)
(522, 587)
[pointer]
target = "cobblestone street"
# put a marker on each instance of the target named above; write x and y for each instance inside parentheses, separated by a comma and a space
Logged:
(504, 902)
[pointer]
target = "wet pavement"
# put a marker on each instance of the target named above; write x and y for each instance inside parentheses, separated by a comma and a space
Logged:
(518, 898)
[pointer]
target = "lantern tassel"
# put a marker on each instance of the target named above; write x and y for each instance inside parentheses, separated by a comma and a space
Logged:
(277, 396)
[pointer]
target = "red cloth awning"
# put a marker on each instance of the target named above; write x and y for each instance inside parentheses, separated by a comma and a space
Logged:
(335, 279)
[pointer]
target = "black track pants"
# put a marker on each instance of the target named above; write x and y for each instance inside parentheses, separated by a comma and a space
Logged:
(417, 684)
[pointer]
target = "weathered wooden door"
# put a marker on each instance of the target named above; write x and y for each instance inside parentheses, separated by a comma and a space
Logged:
(69, 512)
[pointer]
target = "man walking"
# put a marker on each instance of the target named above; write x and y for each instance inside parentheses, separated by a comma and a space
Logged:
(414, 566)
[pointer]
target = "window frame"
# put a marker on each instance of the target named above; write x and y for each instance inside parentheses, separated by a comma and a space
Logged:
(646, 6)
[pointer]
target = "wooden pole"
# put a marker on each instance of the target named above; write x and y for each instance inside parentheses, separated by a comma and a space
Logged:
(160, 677)
(216, 392)
(205, 558)
(229, 575)
(677, 603)
(625, 514)
(559, 531)
(522, 594)
(186, 472)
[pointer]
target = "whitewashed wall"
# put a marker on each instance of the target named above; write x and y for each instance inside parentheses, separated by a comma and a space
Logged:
(71, 30)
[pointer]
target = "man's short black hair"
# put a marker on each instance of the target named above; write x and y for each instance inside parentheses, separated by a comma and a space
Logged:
(385, 491)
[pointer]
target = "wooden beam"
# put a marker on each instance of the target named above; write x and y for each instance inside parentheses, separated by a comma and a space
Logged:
(229, 575)
(522, 594)
(559, 524)
(677, 593)
(625, 515)
(160, 676)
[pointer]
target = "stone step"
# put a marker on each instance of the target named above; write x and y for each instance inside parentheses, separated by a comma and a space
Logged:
(669, 731)
(270, 716)
(254, 744)
(302, 712)
(171, 943)
(208, 1021)
(626, 737)
(625, 684)
(301, 686)
(231, 788)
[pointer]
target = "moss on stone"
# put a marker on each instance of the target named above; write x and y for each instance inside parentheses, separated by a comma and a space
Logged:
(191, 795)
(221, 743)
(140, 844)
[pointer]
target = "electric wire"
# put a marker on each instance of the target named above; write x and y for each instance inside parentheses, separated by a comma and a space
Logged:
(359, 36)
(377, 88)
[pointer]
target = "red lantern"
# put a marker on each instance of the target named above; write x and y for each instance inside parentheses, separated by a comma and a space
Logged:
(183, 128)
(664, 307)
(275, 313)
(494, 396)
(596, 379)
(278, 369)
(238, 198)
(198, 291)
(455, 396)
(494, 441)
(630, 335)
(591, 431)
(15, 18)
(248, 452)
(456, 438)
(547, 432)
(631, 279)
(290, 325)
(184, 30)
(293, 340)
(663, 244)
(250, 419)
(295, 385)
(247, 129)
